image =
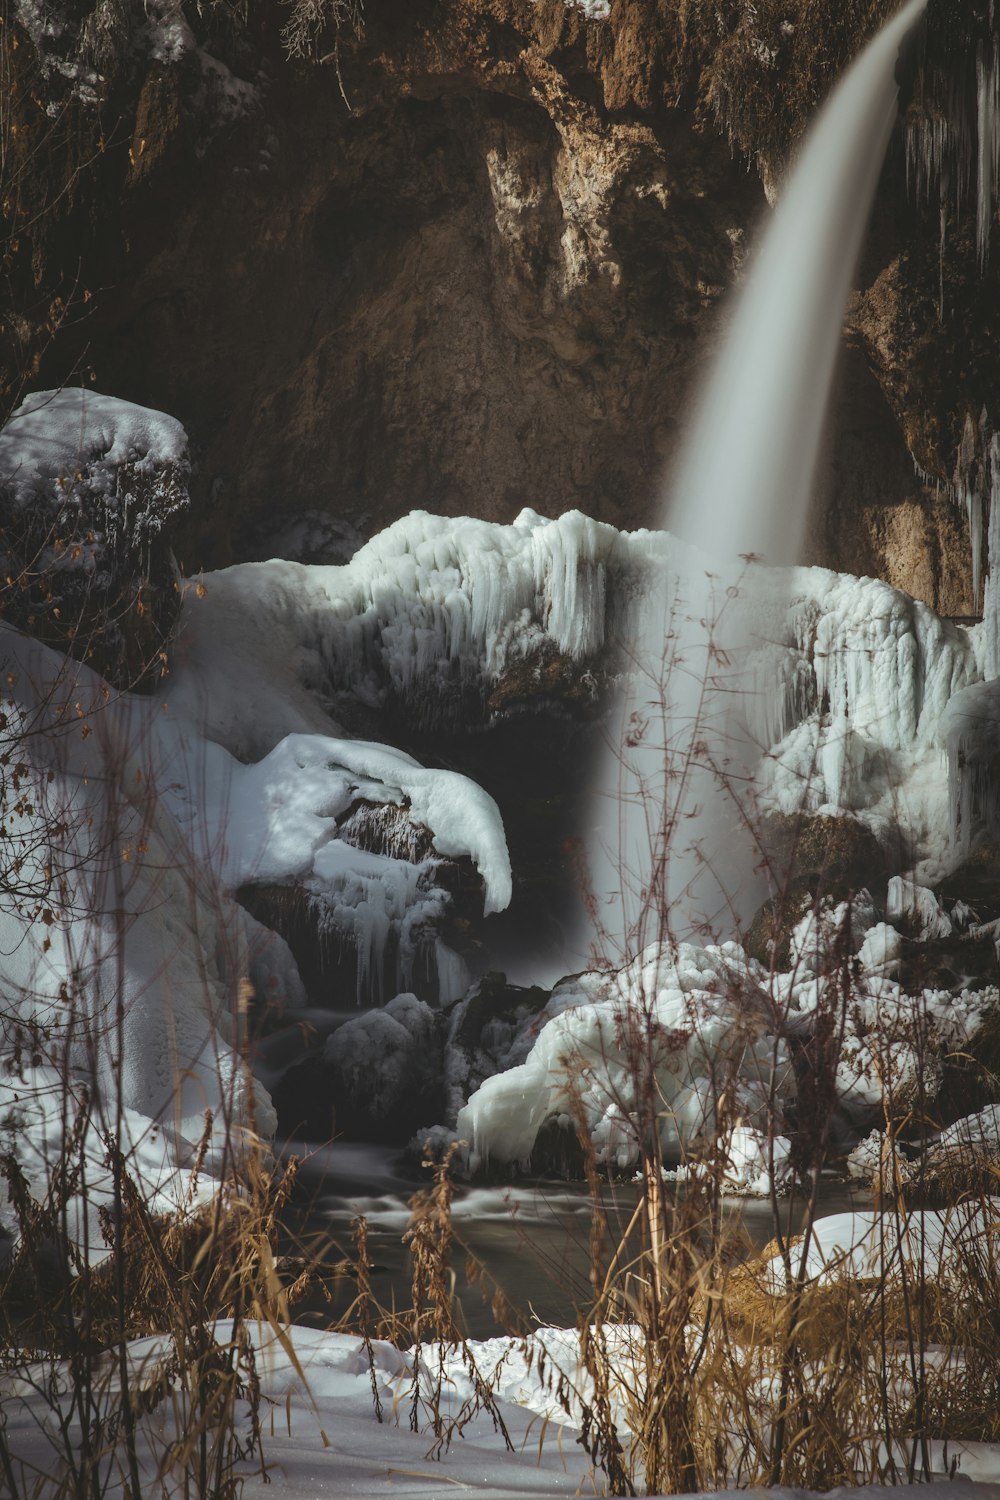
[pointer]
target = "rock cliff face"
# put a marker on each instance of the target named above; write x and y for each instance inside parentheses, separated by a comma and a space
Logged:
(477, 261)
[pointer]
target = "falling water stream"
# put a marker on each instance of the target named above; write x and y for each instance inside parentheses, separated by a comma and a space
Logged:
(674, 852)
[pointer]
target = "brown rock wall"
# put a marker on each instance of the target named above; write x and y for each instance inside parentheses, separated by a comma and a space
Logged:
(496, 280)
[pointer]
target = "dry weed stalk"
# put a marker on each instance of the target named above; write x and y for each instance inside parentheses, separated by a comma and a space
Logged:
(435, 1329)
(175, 1278)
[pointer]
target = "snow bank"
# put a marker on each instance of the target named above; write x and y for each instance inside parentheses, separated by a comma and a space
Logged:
(321, 1435)
(879, 1245)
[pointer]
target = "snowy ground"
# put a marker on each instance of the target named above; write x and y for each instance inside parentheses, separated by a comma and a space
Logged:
(322, 1437)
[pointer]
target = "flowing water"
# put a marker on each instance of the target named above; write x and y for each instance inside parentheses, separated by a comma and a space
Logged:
(673, 813)
(533, 1239)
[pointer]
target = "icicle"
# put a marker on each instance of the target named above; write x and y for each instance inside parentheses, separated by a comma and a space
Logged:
(988, 139)
(991, 601)
(974, 506)
(941, 244)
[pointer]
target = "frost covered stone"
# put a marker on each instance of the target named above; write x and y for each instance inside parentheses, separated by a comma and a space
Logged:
(385, 1070)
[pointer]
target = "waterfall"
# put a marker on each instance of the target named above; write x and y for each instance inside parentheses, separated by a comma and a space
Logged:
(747, 471)
(677, 853)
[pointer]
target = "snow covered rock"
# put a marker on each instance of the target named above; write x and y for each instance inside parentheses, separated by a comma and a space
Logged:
(89, 486)
(882, 1246)
(386, 1070)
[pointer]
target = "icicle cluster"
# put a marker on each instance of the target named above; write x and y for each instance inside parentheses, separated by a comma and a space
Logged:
(437, 603)
(953, 147)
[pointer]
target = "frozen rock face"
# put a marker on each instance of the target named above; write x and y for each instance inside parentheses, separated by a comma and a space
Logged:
(90, 488)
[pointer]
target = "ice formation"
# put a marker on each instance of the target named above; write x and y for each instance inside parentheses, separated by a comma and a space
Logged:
(907, 901)
(126, 953)
(238, 771)
(683, 1030)
(955, 155)
(387, 1057)
(429, 609)
(851, 676)
(694, 1022)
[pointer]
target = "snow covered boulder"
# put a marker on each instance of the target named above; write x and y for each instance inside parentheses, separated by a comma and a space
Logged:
(88, 488)
(387, 1071)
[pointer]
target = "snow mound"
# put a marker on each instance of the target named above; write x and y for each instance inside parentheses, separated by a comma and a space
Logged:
(880, 1245)
(689, 1019)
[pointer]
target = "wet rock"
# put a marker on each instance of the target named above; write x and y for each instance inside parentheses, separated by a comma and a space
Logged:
(768, 938)
(303, 1099)
(557, 1152)
(548, 681)
(810, 858)
(976, 883)
(834, 855)
(488, 1031)
(516, 240)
